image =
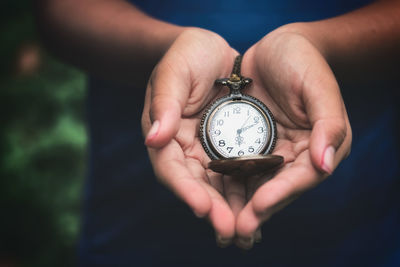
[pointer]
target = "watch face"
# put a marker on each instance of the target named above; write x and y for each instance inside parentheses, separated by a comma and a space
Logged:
(237, 128)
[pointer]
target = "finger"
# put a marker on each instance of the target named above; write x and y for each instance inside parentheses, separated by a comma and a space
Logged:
(170, 87)
(170, 168)
(258, 235)
(274, 195)
(222, 220)
(252, 185)
(215, 180)
(226, 215)
(235, 194)
(251, 188)
(325, 109)
(220, 214)
(247, 242)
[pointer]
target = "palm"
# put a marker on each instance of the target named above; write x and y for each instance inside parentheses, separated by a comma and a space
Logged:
(185, 156)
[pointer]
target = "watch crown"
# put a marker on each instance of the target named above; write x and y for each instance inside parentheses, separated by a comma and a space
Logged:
(235, 82)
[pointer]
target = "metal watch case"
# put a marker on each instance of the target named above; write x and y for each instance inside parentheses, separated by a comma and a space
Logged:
(220, 102)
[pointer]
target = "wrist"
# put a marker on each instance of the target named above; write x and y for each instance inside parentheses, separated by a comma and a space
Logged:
(204, 43)
(285, 40)
(309, 31)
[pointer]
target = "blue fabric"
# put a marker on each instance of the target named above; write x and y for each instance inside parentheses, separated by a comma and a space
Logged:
(351, 219)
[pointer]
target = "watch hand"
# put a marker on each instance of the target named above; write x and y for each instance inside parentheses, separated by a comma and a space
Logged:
(241, 127)
(247, 127)
(238, 138)
(240, 130)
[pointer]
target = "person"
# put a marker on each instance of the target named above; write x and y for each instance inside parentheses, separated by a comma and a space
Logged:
(178, 47)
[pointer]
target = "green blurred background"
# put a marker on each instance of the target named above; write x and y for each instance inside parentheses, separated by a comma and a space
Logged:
(42, 143)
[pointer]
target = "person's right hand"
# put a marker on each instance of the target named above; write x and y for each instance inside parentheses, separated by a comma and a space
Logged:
(180, 87)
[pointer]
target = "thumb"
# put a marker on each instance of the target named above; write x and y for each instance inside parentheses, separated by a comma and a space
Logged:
(326, 137)
(169, 87)
(325, 108)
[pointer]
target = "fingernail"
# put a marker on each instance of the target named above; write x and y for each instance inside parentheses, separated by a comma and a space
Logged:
(328, 159)
(245, 242)
(223, 242)
(258, 236)
(153, 130)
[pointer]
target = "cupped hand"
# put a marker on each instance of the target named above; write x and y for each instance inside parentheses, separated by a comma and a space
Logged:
(180, 87)
(289, 75)
(294, 80)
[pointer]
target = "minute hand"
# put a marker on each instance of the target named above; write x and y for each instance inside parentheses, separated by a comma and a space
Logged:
(248, 127)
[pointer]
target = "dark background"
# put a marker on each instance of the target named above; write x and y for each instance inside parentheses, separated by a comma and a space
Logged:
(43, 158)
(42, 144)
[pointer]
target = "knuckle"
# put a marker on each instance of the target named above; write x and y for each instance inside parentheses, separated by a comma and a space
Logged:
(341, 131)
(348, 141)
(336, 129)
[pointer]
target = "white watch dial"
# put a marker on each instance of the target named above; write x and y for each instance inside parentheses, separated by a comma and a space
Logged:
(238, 129)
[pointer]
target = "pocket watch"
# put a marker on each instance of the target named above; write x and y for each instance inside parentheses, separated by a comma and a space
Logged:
(238, 131)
